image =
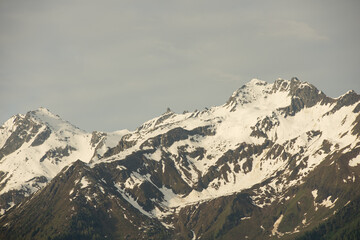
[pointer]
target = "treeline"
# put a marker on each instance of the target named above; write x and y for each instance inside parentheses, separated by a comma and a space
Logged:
(344, 225)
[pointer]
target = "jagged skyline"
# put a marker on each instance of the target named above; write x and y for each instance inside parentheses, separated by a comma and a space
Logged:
(275, 161)
(113, 65)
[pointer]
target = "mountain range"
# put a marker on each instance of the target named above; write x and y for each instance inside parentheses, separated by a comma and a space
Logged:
(278, 160)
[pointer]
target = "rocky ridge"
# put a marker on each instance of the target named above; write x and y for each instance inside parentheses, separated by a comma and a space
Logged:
(213, 174)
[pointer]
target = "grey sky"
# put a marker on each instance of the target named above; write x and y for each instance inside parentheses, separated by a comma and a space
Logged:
(109, 65)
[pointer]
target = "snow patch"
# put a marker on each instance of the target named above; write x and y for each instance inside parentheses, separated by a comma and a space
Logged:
(156, 156)
(194, 235)
(84, 182)
(275, 231)
(102, 189)
(328, 203)
(132, 201)
(121, 167)
(355, 161)
(314, 193)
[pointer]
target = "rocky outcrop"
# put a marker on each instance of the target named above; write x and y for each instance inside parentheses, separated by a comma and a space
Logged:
(41, 137)
(264, 125)
(174, 135)
(57, 153)
(25, 130)
(121, 146)
(302, 95)
(64, 210)
(350, 98)
(262, 166)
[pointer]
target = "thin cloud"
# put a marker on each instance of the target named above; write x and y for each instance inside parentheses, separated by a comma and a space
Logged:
(291, 29)
(119, 55)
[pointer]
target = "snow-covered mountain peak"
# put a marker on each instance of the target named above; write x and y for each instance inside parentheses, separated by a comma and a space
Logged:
(44, 110)
(290, 86)
(257, 82)
(54, 122)
(35, 146)
(350, 93)
(155, 122)
(254, 91)
(255, 98)
(259, 147)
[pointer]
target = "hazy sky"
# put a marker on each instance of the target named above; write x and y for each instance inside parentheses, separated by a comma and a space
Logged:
(110, 65)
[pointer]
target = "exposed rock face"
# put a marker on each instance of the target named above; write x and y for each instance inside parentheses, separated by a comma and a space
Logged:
(356, 129)
(25, 130)
(302, 95)
(176, 134)
(74, 215)
(350, 98)
(122, 145)
(264, 125)
(57, 153)
(96, 138)
(34, 147)
(273, 162)
(41, 137)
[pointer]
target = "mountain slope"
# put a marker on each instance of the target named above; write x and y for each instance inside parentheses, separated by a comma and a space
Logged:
(68, 212)
(283, 150)
(345, 224)
(34, 148)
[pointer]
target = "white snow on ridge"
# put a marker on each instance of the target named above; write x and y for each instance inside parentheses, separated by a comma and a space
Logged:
(111, 140)
(232, 124)
(231, 127)
(132, 201)
(6, 129)
(155, 156)
(29, 161)
(55, 123)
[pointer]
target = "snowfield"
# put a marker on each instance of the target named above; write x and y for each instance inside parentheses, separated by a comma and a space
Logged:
(257, 105)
